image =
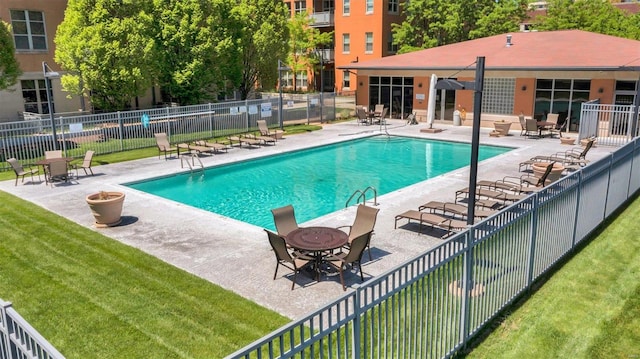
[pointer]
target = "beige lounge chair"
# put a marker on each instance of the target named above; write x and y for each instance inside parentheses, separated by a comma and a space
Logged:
(264, 139)
(572, 158)
(455, 209)
(241, 139)
(162, 141)
(449, 225)
(497, 195)
(265, 131)
(86, 163)
(341, 260)
(294, 261)
(284, 219)
(217, 147)
(193, 148)
(364, 222)
(21, 172)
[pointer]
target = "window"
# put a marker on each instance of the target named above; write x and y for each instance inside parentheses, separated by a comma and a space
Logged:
(497, 95)
(393, 6)
(561, 96)
(28, 30)
(328, 5)
(346, 7)
(346, 80)
(368, 45)
(34, 94)
(301, 79)
(369, 7)
(391, 47)
(346, 43)
(301, 7)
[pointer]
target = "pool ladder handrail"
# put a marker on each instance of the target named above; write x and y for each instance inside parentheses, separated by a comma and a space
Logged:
(192, 164)
(363, 196)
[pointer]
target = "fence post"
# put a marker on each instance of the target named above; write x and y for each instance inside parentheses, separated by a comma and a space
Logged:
(577, 210)
(532, 243)
(64, 141)
(467, 286)
(6, 330)
(121, 131)
(355, 338)
(308, 110)
(211, 120)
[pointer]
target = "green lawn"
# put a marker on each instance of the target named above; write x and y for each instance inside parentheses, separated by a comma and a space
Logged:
(590, 308)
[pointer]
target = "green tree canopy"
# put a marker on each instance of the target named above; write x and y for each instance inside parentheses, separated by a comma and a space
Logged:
(9, 67)
(431, 23)
(191, 45)
(589, 15)
(107, 51)
(303, 41)
(261, 39)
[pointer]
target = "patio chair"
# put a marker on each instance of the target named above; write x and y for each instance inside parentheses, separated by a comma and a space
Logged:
(449, 225)
(57, 171)
(495, 194)
(265, 131)
(52, 154)
(531, 128)
(340, 261)
(554, 128)
(265, 140)
(294, 261)
(572, 158)
(240, 139)
(162, 141)
(86, 163)
(361, 114)
(363, 223)
(523, 125)
(21, 172)
(383, 114)
(284, 219)
(378, 108)
(195, 149)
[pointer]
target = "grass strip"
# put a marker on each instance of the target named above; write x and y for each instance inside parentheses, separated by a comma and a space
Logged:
(93, 297)
(590, 308)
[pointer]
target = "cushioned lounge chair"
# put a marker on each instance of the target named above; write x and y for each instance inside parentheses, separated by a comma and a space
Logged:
(294, 261)
(455, 209)
(449, 225)
(265, 131)
(341, 261)
(21, 171)
(364, 222)
(285, 219)
(162, 141)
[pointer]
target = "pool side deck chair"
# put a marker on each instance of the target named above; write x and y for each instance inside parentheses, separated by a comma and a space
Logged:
(217, 147)
(265, 131)
(162, 141)
(455, 209)
(449, 225)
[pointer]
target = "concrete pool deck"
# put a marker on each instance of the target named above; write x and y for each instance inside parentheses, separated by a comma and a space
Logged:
(237, 255)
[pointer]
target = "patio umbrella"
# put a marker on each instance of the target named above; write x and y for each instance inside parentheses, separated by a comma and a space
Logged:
(431, 106)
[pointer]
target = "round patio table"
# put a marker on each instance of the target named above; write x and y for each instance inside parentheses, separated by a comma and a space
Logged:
(317, 240)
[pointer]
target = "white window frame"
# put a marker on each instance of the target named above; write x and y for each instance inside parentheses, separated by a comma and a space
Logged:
(30, 27)
(41, 94)
(368, 42)
(369, 7)
(300, 7)
(346, 7)
(346, 43)
(346, 79)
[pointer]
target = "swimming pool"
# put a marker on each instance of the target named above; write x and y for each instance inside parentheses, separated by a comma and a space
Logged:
(315, 181)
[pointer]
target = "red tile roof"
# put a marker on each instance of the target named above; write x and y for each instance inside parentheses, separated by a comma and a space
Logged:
(550, 50)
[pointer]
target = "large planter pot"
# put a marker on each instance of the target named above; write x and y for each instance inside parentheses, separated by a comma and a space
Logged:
(539, 168)
(106, 208)
(502, 127)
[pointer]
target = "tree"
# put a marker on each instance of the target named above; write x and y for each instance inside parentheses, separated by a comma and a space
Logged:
(431, 23)
(107, 51)
(190, 42)
(589, 15)
(303, 41)
(261, 35)
(9, 67)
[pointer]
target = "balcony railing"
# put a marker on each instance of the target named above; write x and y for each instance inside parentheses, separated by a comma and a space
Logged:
(322, 19)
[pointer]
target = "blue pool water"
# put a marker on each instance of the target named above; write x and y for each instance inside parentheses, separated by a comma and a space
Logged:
(315, 181)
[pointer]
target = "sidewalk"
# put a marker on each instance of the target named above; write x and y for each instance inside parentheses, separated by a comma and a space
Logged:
(209, 245)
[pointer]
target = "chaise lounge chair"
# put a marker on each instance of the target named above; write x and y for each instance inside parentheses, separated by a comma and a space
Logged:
(450, 225)
(264, 139)
(191, 148)
(217, 147)
(455, 209)
(462, 194)
(240, 139)
(572, 158)
(162, 141)
(265, 131)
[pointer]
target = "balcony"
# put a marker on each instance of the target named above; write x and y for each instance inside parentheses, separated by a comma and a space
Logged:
(328, 55)
(322, 19)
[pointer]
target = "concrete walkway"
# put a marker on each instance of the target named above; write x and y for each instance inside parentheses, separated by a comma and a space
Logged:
(236, 255)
